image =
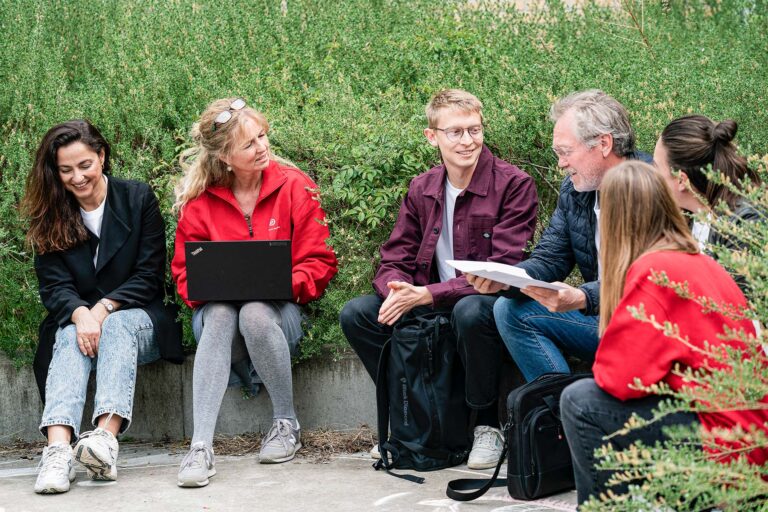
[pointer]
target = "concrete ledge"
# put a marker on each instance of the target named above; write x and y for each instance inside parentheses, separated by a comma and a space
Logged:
(336, 395)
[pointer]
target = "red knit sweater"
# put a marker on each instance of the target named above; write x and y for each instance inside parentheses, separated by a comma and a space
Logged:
(630, 348)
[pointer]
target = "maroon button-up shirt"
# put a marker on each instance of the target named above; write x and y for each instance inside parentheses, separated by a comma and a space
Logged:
(493, 220)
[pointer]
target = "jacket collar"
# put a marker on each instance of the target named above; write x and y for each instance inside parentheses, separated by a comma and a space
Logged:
(478, 185)
(272, 178)
(114, 225)
(585, 199)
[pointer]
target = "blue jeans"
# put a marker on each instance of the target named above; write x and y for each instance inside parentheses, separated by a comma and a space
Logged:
(126, 340)
(535, 337)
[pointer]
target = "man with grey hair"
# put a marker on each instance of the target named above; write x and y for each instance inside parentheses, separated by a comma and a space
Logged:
(592, 134)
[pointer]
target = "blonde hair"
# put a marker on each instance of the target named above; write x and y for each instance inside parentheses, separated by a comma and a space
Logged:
(637, 215)
(202, 164)
(454, 99)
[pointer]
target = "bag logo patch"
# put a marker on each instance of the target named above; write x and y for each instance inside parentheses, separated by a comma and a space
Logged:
(404, 387)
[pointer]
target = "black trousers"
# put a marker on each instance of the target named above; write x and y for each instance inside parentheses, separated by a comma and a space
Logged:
(589, 414)
(479, 344)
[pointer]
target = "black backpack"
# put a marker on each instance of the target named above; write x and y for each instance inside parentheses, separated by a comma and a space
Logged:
(420, 397)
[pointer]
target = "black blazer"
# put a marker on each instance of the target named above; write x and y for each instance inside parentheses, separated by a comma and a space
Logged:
(130, 269)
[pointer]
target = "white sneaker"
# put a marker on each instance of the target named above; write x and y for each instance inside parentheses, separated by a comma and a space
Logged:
(197, 466)
(281, 442)
(56, 470)
(375, 453)
(486, 448)
(97, 451)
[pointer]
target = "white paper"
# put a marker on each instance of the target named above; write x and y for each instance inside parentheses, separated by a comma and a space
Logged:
(502, 273)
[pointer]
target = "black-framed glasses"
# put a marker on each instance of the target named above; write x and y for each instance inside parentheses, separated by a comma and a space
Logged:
(226, 115)
(455, 134)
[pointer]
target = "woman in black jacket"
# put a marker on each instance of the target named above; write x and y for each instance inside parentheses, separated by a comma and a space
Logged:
(99, 247)
(687, 147)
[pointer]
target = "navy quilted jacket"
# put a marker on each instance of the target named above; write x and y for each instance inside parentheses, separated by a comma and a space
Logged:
(569, 241)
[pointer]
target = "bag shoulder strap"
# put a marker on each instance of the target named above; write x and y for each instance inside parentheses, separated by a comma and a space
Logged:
(455, 487)
(382, 400)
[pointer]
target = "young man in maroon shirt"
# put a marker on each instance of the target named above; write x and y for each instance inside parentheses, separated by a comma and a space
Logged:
(474, 206)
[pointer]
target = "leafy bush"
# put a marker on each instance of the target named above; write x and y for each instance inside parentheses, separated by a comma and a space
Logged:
(344, 85)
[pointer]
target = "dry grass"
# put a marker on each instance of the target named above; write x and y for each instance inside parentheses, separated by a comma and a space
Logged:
(319, 445)
(21, 449)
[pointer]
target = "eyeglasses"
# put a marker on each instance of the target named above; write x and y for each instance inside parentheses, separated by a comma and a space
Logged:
(563, 152)
(455, 134)
(226, 115)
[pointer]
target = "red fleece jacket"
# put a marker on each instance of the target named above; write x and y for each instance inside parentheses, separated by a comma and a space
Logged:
(288, 208)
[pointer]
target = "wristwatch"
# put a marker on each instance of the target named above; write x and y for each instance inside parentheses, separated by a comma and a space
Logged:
(107, 305)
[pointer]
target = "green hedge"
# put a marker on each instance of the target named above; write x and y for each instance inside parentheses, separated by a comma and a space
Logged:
(344, 85)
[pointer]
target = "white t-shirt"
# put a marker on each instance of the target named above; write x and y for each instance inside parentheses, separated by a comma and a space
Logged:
(700, 232)
(92, 221)
(597, 236)
(444, 249)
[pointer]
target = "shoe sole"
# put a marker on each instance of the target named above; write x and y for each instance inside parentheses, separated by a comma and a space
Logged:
(281, 459)
(482, 465)
(51, 490)
(96, 468)
(194, 483)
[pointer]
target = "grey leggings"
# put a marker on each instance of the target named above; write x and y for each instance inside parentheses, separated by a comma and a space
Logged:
(232, 333)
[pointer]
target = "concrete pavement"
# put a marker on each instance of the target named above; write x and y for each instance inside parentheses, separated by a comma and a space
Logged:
(147, 482)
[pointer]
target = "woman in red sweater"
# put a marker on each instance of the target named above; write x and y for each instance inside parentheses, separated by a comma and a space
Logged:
(645, 234)
(234, 188)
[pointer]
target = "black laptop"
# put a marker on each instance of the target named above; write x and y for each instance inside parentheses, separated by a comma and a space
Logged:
(239, 270)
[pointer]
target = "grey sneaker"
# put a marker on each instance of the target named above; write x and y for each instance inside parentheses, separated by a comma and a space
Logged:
(97, 451)
(56, 470)
(486, 448)
(197, 466)
(281, 442)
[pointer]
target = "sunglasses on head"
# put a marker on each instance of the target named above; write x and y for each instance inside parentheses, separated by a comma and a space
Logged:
(226, 115)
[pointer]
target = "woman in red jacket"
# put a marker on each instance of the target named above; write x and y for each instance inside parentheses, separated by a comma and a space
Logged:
(645, 233)
(235, 189)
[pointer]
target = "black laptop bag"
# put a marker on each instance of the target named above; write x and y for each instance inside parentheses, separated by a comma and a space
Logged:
(539, 461)
(420, 397)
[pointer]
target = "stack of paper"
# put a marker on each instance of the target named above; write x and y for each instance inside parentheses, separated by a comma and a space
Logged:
(502, 273)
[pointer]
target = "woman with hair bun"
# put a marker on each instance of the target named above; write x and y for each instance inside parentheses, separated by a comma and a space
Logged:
(234, 188)
(99, 245)
(687, 147)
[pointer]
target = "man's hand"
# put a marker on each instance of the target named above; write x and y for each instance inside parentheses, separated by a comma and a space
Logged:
(402, 298)
(557, 301)
(88, 331)
(485, 286)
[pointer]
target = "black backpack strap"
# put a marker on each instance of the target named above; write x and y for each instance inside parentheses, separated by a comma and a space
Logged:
(382, 406)
(380, 464)
(382, 402)
(468, 484)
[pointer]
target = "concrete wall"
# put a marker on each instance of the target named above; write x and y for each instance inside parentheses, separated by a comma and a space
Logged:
(337, 395)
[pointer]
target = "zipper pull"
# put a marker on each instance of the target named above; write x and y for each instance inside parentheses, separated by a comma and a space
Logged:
(248, 221)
